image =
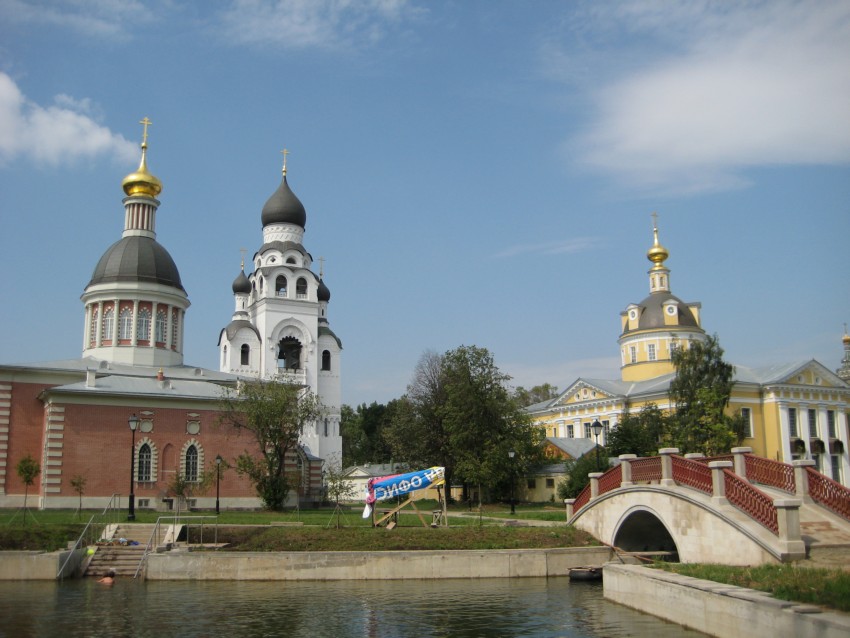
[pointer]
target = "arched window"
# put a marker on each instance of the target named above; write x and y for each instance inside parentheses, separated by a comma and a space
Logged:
(246, 355)
(326, 360)
(125, 324)
(108, 320)
(191, 464)
(161, 325)
(224, 356)
(290, 260)
(143, 473)
(143, 325)
(301, 288)
(280, 286)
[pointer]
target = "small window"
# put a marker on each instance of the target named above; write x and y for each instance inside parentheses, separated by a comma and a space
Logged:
(301, 288)
(588, 432)
(108, 320)
(570, 431)
(125, 324)
(191, 464)
(532, 484)
(326, 360)
(175, 325)
(290, 260)
(550, 483)
(792, 423)
(835, 460)
(830, 424)
(650, 350)
(245, 355)
(143, 474)
(747, 417)
(160, 326)
(813, 424)
(633, 354)
(143, 325)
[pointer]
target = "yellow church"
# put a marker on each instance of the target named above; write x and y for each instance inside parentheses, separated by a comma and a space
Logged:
(797, 410)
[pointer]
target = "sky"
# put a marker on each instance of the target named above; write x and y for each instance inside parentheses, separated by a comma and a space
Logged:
(474, 172)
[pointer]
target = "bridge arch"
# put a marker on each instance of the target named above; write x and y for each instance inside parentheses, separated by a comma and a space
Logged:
(640, 529)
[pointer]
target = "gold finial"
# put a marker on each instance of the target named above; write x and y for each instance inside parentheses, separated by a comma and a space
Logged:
(285, 153)
(657, 254)
(243, 251)
(846, 338)
(321, 267)
(142, 182)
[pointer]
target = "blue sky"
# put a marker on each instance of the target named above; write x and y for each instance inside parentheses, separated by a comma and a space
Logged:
(474, 172)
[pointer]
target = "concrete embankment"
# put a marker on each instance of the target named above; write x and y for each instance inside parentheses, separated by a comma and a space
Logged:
(25, 565)
(396, 565)
(717, 609)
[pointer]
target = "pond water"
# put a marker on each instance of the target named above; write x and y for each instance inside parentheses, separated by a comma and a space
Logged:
(484, 608)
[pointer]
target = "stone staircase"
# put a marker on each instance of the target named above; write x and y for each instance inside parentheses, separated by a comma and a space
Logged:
(122, 559)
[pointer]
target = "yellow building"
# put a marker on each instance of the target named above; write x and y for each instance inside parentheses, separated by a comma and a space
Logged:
(793, 410)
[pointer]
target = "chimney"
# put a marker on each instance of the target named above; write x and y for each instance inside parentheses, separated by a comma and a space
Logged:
(91, 378)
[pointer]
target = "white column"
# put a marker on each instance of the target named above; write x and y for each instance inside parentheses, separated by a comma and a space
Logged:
(134, 336)
(98, 340)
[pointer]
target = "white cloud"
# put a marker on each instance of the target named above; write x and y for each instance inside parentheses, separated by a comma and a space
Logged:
(97, 18)
(726, 87)
(575, 245)
(54, 134)
(296, 24)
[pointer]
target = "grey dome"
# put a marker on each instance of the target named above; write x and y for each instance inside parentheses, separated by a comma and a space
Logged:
(283, 207)
(137, 258)
(652, 313)
(241, 284)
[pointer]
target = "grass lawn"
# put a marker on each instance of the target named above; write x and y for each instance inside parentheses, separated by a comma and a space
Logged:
(828, 587)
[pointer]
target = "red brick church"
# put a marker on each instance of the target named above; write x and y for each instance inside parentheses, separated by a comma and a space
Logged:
(74, 416)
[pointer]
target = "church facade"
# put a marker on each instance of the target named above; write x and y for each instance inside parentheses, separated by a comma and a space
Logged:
(74, 416)
(793, 410)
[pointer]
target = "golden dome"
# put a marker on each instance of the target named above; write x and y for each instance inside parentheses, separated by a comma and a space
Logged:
(657, 254)
(142, 182)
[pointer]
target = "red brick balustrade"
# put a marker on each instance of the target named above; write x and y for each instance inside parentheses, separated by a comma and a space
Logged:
(610, 480)
(582, 499)
(646, 469)
(829, 493)
(769, 472)
(695, 474)
(750, 500)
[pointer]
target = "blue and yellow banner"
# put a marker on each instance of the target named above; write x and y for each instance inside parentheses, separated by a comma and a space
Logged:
(384, 487)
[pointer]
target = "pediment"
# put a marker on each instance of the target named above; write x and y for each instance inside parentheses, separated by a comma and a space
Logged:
(582, 392)
(812, 373)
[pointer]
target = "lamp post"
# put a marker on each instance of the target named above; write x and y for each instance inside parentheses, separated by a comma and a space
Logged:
(217, 481)
(596, 426)
(511, 455)
(133, 422)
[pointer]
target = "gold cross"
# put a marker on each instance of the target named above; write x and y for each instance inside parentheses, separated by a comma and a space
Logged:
(146, 122)
(285, 153)
(654, 220)
(321, 267)
(243, 251)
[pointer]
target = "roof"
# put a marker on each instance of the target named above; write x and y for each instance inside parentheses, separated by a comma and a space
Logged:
(652, 313)
(102, 367)
(375, 470)
(235, 326)
(145, 386)
(575, 448)
(325, 330)
(283, 207)
(137, 258)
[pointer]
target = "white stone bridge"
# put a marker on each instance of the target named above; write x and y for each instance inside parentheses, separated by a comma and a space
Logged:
(738, 509)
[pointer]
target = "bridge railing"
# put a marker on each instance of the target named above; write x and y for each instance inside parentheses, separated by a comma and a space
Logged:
(692, 473)
(831, 494)
(750, 500)
(769, 472)
(646, 469)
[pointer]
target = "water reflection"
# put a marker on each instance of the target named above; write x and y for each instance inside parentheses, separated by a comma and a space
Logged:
(475, 608)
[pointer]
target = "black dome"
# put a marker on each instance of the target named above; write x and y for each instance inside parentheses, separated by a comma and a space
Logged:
(241, 284)
(283, 207)
(324, 292)
(136, 258)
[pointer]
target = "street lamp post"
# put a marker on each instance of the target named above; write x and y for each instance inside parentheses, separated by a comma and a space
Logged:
(511, 455)
(217, 481)
(596, 426)
(133, 422)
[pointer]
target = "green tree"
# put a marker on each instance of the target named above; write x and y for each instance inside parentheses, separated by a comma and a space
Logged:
(28, 469)
(363, 433)
(700, 392)
(337, 487)
(577, 473)
(483, 421)
(537, 394)
(640, 433)
(275, 414)
(78, 482)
